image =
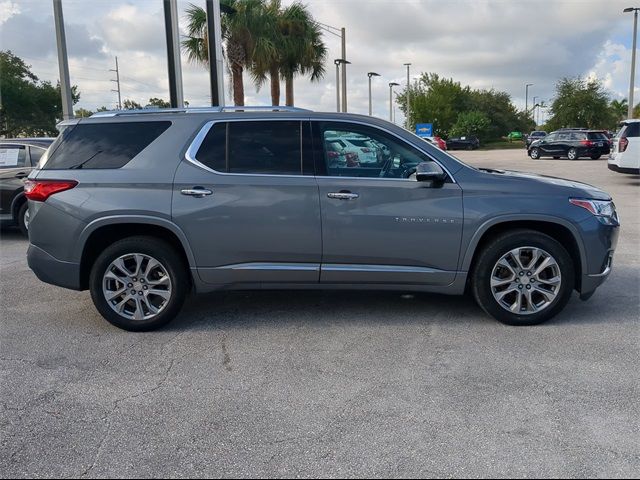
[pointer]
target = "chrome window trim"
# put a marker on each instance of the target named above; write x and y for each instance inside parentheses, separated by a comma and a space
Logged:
(190, 154)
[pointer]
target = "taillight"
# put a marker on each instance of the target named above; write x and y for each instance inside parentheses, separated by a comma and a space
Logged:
(587, 143)
(40, 190)
(332, 154)
(622, 144)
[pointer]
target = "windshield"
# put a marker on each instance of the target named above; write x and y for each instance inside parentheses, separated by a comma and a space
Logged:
(538, 134)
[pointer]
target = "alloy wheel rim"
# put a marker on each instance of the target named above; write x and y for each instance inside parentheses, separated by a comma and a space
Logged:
(136, 286)
(526, 280)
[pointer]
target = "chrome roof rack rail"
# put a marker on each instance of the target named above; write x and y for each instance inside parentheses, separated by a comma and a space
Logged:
(260, 108)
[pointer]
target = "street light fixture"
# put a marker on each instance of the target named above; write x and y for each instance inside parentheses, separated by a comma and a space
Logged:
(371, 74)
(391, 85)
(526, 98)
(338, 62)
(633, 56)
(408, 96)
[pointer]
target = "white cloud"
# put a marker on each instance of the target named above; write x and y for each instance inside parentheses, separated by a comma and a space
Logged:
(7, 10)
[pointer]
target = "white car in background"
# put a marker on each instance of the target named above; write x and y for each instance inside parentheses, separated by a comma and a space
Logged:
(625, 153)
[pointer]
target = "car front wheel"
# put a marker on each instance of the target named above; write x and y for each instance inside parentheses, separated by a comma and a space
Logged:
(139, 283)
(535, 153)
(523, 277)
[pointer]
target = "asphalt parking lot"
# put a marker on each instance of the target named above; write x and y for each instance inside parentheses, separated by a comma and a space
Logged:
(335, 384)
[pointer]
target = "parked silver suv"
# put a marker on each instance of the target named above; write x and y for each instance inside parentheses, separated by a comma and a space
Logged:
(142, 207)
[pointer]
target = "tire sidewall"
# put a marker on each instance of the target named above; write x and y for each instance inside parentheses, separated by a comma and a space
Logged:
(495, 250)
(163, 253)
(22, 211)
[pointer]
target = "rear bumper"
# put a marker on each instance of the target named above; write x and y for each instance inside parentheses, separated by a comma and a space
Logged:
(51, 270)
(616, 168)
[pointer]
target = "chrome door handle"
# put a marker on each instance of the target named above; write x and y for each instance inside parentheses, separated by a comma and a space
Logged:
(343, 195)
(197, 192)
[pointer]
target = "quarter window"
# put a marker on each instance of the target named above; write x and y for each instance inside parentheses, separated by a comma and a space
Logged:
(36, 153)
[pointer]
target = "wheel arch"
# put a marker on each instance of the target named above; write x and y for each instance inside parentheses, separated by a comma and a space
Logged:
(101, 233)
(562, 231)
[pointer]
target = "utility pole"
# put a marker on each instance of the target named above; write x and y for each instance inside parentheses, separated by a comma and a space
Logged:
(344, 68)
(63, 61)
(371, 74)
(173, 53)
(337, 62)
(214, 36)
(633, 58)
(117, 80)
(408, 119)
(391, 85)
(526, 99)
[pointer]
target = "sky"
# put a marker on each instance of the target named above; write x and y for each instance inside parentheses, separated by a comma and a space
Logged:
(501, 44)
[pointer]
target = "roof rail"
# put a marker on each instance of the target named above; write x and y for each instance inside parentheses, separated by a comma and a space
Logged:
(118, 113)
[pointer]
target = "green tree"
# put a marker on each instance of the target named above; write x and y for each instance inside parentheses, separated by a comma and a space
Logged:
(246, 34)
(436, 100)
(619, 108)
(129, 104)
(102, 109)
(29, 107)
(265, 39)
(158, 102)
(472, 123)
(83, 112)
(580, 103)
(303, 52)
(636, 111)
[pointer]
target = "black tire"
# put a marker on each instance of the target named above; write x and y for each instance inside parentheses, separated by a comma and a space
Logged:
(595, 157)
(572, 154)
(499, 246)
(161, 251)
(23, 223)
(534, 153)
(469, 147)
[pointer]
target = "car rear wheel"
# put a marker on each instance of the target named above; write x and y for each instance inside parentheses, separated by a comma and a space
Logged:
(572, 154)
(523, 277)
(23, 219)
(535, 153)
(595, 157)
(139, 283)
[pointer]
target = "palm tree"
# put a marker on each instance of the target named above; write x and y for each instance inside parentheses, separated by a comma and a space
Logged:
(247, 36)
(302, 50)
(619, 108)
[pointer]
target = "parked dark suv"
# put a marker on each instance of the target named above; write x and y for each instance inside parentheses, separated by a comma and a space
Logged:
(571, 144)
(17, 158)
(468, 142)
(143, 207)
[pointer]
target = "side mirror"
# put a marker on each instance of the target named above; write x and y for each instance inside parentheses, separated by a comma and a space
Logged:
(430, 171)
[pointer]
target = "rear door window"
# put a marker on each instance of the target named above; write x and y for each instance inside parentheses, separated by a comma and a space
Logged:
(36, 153)
(13, 156)
(260, 147)
(103, 145)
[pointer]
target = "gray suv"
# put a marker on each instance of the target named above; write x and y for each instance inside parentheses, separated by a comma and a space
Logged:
(143, 207)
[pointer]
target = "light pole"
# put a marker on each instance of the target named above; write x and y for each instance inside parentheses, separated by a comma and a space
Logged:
(408, 96)
(338, 62)
(391, 85)
(371, 74)
(526, 98)
(633, 56)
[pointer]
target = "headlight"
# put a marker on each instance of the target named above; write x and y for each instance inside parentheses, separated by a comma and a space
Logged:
(604, 210)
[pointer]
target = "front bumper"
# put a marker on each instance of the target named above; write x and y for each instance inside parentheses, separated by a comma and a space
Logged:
(600, 242)
(51, 270)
